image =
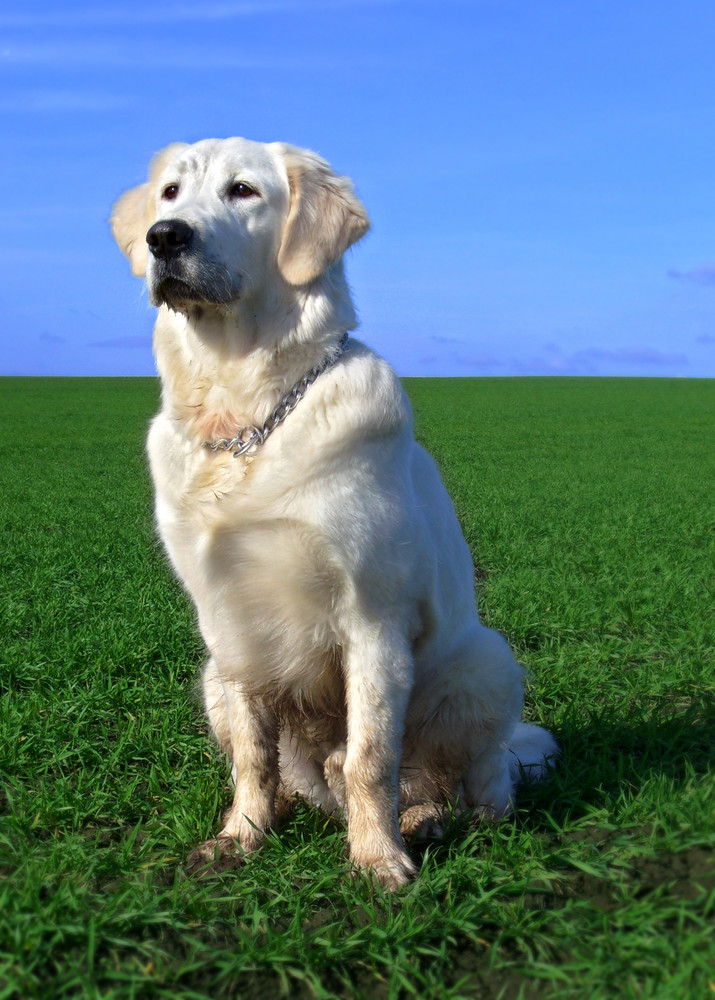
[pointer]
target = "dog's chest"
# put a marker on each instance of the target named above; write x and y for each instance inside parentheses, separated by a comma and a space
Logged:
(192, 479)
(193, 488)
(255, 567)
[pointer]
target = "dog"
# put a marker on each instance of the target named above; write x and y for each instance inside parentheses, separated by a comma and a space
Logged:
(333, 586)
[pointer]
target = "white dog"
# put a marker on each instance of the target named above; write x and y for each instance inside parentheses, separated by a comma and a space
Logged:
(333, 586)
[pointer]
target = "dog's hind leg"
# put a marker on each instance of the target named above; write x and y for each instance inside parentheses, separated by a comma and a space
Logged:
(480, 715)
(532, 752)
(301, 774)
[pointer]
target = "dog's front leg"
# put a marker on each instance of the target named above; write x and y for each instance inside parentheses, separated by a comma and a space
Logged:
(253, 729)
(378, 679)
(254, 748)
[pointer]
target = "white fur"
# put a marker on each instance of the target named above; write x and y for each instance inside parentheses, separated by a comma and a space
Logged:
(333, 586)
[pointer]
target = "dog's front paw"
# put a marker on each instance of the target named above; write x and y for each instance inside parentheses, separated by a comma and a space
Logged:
(214, 856)
(390, 872)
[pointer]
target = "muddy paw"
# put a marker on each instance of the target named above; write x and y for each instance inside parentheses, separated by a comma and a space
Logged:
(422, 822)
(391, 873)
(214, 857)
(285, 803)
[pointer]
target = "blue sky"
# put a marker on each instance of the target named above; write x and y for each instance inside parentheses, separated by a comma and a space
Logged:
(540, 175)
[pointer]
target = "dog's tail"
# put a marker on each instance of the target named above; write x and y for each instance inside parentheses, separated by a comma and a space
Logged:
(532, 752)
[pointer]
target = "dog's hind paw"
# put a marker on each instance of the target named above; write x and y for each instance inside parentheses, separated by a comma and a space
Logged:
(213, 857)
(335, 778)
(422, 823)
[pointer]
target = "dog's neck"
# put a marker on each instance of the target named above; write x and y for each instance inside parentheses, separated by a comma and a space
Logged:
(228, 368)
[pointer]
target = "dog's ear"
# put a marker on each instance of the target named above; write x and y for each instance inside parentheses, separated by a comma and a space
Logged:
(135, 211)
(324, 219)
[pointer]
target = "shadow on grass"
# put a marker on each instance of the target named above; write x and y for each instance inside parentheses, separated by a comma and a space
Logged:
(605, 755)
(605, 759)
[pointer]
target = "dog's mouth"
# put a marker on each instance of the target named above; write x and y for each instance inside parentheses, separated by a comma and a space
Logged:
(211, 287)
(175, 293)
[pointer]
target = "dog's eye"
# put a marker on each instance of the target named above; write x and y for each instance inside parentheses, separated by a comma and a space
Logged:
(170, 192)
(241, 190)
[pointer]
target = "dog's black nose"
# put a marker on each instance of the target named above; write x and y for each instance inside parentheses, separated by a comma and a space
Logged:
(169, 238)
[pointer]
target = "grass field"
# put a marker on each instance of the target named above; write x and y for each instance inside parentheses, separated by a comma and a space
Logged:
(589, 507)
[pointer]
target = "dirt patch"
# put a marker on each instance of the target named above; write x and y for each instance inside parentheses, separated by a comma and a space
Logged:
(688, 874)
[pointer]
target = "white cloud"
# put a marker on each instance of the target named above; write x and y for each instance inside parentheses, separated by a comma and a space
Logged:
(553, 361)
(602, 361)
(704, 275)
(118, 54)
(100, 16)
(147, 54)
(41, 101)
(122, 343)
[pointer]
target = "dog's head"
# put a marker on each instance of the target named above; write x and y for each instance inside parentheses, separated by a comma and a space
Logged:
(219, 220)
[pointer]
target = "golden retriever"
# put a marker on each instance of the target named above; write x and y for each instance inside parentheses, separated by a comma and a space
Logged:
(333, 586)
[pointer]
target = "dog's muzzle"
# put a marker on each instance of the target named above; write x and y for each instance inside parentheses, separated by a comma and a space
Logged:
(181, 276)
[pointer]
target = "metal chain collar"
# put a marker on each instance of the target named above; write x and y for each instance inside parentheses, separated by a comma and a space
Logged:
(252, 437)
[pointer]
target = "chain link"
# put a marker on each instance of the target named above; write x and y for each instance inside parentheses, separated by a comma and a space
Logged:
(252, 437)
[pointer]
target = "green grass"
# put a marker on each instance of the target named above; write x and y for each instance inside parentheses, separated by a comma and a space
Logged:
(588, 504)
